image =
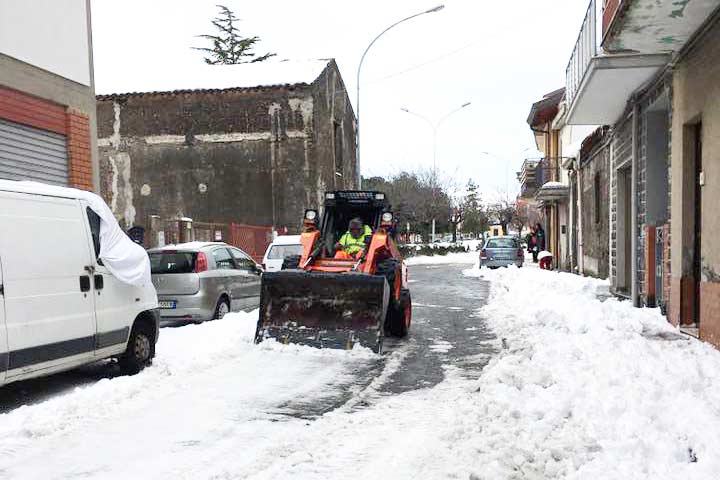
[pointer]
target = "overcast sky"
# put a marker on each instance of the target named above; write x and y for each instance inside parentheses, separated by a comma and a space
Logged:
(500, 55)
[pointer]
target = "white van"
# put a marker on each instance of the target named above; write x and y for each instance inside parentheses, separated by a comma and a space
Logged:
(282, 247)
(60, 305)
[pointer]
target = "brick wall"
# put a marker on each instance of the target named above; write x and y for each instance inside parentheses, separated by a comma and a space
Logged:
(79, 158)
(18, 107)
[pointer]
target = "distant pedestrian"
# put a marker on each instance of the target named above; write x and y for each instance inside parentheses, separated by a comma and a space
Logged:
(539, 237)
(532, 243)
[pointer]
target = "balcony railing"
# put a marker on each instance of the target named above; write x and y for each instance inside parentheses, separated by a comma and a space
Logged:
(586, 48)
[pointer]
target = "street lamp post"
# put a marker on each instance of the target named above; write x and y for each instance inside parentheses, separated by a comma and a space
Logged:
(507, 162)
(435, 126)
(357, 83)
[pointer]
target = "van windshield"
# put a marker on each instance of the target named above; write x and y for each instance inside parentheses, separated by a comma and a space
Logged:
(279, 252)
(172, 262)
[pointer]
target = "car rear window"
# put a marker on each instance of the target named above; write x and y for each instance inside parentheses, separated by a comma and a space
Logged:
(172, 262)
(502, 243)
(279, 252)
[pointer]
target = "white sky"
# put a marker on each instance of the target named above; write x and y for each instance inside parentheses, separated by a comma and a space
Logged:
(507, 54)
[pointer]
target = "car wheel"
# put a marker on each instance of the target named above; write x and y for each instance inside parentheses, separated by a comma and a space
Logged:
(222, 308)
(139, 351)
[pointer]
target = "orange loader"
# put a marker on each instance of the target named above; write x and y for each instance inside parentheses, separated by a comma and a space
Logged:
(330, 300)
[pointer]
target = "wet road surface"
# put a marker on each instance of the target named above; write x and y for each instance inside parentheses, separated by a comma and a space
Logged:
(446, 332)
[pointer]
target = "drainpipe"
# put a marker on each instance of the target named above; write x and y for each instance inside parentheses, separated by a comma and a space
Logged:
(634, 209)
(579, 240)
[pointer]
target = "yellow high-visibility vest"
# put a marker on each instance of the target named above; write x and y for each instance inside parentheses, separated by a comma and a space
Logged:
(353, 245)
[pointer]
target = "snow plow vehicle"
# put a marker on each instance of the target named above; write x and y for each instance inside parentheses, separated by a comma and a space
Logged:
(328, 298)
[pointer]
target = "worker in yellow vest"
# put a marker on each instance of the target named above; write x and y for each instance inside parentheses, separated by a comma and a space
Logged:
(354, 241)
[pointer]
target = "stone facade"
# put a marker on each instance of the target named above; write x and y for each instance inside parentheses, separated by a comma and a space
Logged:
(594, 183)
(256, 156)
(647, 124)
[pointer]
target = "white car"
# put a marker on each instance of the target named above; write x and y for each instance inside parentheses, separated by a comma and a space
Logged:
(61, 306)
(282, 247)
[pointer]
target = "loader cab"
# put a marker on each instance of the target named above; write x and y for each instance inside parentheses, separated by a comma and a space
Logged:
(342, 206)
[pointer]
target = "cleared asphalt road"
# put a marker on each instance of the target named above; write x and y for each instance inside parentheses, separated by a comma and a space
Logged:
(446, 331)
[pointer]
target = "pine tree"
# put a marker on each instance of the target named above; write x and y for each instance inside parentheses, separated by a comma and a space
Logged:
(475, 219)
(228, 46)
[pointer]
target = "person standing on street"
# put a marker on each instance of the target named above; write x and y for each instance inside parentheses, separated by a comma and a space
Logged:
(539, 237)
(531, 243)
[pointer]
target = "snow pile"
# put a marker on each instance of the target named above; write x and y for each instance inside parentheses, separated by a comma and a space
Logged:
(209, 389)
(591, 389)
(459, 258)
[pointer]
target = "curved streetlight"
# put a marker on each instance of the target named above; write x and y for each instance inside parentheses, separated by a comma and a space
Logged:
(506, 161)
(357, 83)
(435, 126)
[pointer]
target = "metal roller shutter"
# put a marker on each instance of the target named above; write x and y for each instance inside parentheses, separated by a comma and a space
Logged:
(28, 153)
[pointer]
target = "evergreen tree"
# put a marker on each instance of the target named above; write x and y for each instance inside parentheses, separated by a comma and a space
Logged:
(475, 219)
(228, 46)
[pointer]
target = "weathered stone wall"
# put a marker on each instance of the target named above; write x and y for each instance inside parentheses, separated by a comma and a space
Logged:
(595, 163)
(257, 156)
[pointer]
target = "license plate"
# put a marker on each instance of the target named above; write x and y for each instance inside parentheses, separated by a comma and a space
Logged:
(169, 304)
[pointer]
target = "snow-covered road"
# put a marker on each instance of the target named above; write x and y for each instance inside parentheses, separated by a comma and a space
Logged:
(578, 386)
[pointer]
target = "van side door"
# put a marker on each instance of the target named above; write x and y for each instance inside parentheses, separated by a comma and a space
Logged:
(49, 311)
(3, 330)
(115, 301)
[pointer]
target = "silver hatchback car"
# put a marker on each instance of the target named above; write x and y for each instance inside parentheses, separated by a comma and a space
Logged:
(502, 252)
(203, 281)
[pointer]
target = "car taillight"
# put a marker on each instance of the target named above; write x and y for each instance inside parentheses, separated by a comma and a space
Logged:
(483, 253)
(201, 263)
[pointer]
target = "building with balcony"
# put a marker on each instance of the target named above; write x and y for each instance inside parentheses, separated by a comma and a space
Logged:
(527, 176)
(640, 67)
(47, 99)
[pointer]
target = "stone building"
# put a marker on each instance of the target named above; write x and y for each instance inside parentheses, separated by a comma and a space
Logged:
(255, 144)
(695, 178)
(593, 180)
(47, 98)
(648, 71)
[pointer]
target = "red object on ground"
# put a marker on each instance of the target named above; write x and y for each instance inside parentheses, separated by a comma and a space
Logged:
(546, 263)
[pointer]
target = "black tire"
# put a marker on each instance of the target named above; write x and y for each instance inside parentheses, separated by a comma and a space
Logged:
(291, 263)
(398, 322)
(222, 308)
(387, 269)
(140, 350)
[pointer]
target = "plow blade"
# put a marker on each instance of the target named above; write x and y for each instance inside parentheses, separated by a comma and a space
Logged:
(324, 310)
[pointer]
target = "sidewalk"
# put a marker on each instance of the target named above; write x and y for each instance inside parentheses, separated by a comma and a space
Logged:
(586, 388)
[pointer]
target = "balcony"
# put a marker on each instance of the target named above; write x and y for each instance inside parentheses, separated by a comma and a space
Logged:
(598, 84)
(650, 26)
(547, 175)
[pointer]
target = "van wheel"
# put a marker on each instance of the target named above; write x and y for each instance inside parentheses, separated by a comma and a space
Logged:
(139, 351)
(222, 308)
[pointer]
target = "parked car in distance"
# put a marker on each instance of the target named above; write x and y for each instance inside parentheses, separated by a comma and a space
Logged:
(282, 247)
(502, 252)
(60, 304)
(201, 281)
